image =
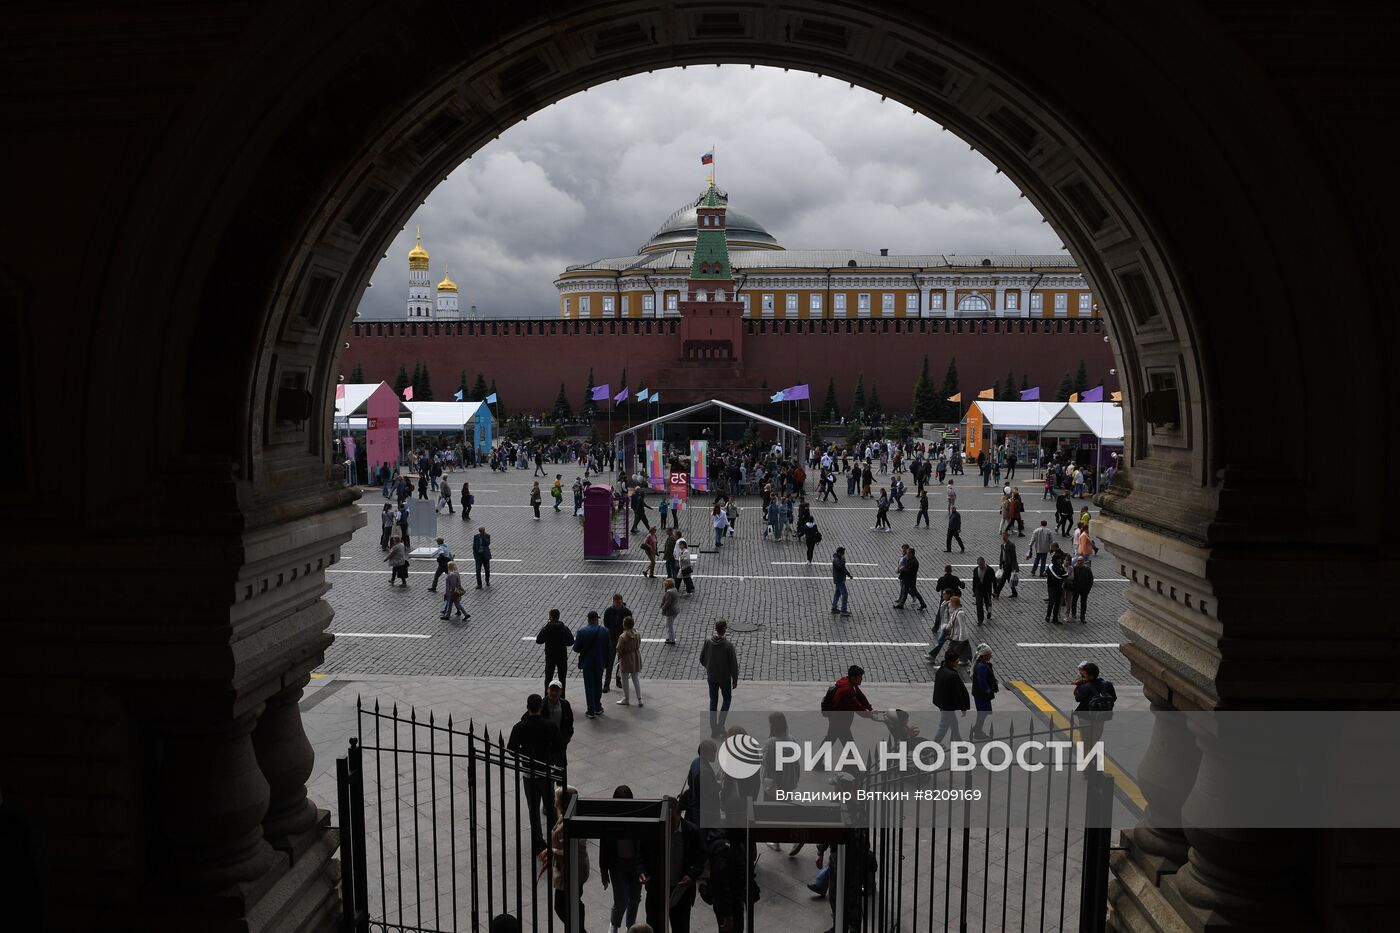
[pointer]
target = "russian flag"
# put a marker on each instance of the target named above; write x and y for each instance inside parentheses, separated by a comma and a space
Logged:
(708, 158)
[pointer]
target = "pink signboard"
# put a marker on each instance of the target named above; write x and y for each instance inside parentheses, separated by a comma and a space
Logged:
(382, 431)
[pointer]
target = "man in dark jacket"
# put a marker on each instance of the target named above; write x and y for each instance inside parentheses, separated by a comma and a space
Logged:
(1008, 565)
(948, 583)
(983, 582)
(591, 646)
(1064, 514)
(481, 555)
(908, 574)
(558, 711)
(1081, 581)
(536, 738)
(612, 621)
(721, 664)
(639, 509)
(950, 696)
(839, 576)
(687, 864)
(847, 702)
(954, 531)
(556, 638)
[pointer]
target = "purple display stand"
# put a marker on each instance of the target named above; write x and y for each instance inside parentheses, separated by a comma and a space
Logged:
(604, 531)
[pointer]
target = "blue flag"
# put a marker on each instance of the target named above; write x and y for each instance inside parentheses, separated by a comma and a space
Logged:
(458, 395)
(491, 399)
(655, 397)
(777, 397)
(642, 395)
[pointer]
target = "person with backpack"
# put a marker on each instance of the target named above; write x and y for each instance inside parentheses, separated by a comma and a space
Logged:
(557, 491)
(839, 576)
(984, 687)
(811, 534)
(1094, 700)
(556, 638)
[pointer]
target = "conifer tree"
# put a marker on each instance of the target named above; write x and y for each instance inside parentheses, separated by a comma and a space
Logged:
(951, 411)
(996, 390)
(562, 409)
(500, 409)
(589, 408)
(465, 389)
(1065, 390)
(417, 380)
(873, 411)
(357, 375)
(926, 405)
(1009, 393)
(830, 410)
(623, 384)
(401, 381)
(1025, 382)
(858, 399)
(424, 392)
(1081, 378)
(479, 389)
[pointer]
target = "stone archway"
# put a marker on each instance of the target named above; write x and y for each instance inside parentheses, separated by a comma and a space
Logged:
(239, 193)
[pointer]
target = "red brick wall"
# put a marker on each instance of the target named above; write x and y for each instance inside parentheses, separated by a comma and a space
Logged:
(528, 366)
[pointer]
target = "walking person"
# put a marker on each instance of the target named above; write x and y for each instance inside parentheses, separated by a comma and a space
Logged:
(481, 556)
(649, 549)
(468, 500)
(556, 638)
(673, 571)
(612, 621)
(443, 556)
(1064, 514)
(721, 664)
(557, 491)
(452, 595)
(592, 647)
(639, 509)
(908, 574)
(445, 496)
(566, 858)
(670, 608)
(1081, 581)
(950, 697)
(923, 509)
(1010, 569)
(663, 506)
(839, 576)
(984, 688)
(983, 583)
(1055, 579)
(720, 521)
(959, 632)
(954, 531)
(537, 739)
(811, 534)
(386, 519)
(1041, 539)
(620, 865)
(1094, 698)
(882, 513)
(397, 559)
(952, 494)
(629, 662)
(685, 566)
(535, 498)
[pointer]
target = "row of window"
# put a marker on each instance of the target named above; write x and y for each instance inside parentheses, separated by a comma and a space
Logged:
(814, 303)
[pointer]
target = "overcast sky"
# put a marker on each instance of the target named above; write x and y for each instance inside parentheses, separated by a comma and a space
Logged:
(820, 164)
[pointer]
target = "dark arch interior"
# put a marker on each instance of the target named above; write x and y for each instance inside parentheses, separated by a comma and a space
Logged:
(230, 176)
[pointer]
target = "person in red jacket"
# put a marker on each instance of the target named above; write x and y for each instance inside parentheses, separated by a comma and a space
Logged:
(847, 701)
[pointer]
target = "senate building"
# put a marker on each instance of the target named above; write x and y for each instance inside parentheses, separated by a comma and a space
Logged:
(798, 284)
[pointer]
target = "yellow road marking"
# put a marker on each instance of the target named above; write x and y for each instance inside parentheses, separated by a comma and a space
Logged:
(317, 676)
(1058, 719)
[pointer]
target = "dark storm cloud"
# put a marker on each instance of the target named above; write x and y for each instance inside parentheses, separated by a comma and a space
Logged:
(820, 164)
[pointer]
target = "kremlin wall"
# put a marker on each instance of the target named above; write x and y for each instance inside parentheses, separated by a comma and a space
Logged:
(692, 319)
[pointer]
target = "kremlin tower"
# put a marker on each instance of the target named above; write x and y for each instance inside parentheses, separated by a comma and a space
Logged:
(712, 317)
(448, 308)
(420, 287)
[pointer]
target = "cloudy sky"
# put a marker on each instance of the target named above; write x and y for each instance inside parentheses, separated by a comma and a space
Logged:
(820, 164)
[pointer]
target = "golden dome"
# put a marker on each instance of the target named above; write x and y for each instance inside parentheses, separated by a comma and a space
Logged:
(446, 285)
(418, 256)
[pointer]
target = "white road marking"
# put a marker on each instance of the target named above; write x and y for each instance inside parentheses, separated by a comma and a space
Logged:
(376, 635)
(852, 644)
(654, 641)
(1058, 644)
(820, 578)
(802, 563)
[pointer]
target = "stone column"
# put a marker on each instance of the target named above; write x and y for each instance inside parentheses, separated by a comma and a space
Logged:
(286, 758)
(949, 302)
(1001, 301)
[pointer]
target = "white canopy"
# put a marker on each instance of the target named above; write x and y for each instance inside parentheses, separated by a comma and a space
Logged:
(1104, 420)
(356, 394)
(443, 416)
(1017, 416)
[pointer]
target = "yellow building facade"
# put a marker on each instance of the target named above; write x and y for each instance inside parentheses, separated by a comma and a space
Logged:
(777, 283)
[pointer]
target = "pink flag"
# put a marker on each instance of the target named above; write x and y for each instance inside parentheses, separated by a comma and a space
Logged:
(340, 391)
(408, 393)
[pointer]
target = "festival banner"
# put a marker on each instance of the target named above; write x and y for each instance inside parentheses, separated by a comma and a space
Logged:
(700, 465)
(656, 465)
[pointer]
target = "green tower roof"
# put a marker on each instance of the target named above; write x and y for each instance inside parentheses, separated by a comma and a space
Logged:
(711, 244)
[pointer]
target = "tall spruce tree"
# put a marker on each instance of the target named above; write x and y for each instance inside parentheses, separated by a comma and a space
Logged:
(623, 384)
(1081, 378)
(417, 380)
(830, 410)
(1025, 382)
(479, 388)
(401, 381)
(996, 390)
(1009, 393)
(858, 399)
(951, 411)
(562, 409)
(1065, 390)
(357, 375)
(926, 406)
(873, 411)
(424, 392)
(465, 388)
(500, 409)
(589, 408)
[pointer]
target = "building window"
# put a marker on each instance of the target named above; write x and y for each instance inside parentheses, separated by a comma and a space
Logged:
(935, 301)
(1061, 302)
(767, 305)
(744, 300)
(791, 305)
(973, 303)
(1037, 301)
(838, 303)
(1013, 301)
(607, 304)
(568, 306)
(672, 304)
(1085, 307)
(583, 304)
(863, 304)
(624, 305)
(911, 303)
(887, 304)
(649, 303)
(814, 305)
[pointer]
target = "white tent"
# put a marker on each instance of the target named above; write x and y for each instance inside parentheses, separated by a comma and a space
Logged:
(352, 404)
(1017, 416)
(442, 416)
(1104, 420)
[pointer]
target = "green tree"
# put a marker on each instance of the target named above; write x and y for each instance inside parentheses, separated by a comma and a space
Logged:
(873, 411)
(951, 411)
(500, 409)
(996, 389)
(899, 428)
(1025, 382)
(357, 375)
(401, 381)
(417, 380)
(589, 408)
(623, 384)
(858, 399)
(926, 405)
(517, 430)
(465, 388)
(1009, 394)
(830, 410)
(479, 390)
(1065, 390)
(562, 409)
(1081, 378)
(424, 392)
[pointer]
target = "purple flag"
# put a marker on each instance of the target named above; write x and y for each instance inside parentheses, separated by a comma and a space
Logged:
(1031, 395)
(602, 393)
(621, 396)
(797, 392)
(1092, 395)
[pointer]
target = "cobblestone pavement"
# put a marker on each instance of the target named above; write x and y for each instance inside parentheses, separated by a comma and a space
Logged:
(777, 605)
